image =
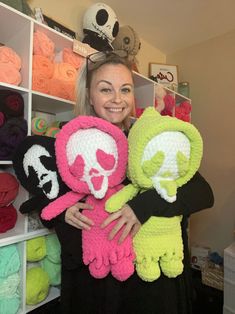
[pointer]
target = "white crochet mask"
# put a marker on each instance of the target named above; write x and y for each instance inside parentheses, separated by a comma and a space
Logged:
(101, 19)
(92, 157)
(170, 143)
(47, 178)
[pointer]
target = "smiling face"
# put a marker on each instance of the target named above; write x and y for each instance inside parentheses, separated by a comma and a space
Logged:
(112, 93)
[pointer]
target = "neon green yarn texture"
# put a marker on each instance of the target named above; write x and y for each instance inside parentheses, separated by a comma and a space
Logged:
(164, 154)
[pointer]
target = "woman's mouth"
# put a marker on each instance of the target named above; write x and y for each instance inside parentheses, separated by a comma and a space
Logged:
(115, 109)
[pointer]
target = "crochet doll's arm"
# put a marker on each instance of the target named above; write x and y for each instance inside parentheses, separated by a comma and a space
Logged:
(116, 201)
(191, 197)
(36, 203)
(60, 204)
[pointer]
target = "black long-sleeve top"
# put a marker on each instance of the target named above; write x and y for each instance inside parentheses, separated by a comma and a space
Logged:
(191, 197)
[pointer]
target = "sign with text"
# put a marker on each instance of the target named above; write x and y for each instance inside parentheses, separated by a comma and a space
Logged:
(165, 74)
(59, 27)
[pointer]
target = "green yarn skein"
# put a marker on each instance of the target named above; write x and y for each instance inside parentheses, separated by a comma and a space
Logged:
(36, 249)
(37, 285)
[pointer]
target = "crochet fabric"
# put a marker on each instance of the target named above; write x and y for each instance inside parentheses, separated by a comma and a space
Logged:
(92, 157)
(164, 154)
(35, 166)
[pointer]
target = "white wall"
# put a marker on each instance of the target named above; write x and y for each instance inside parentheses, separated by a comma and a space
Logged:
(210, 69)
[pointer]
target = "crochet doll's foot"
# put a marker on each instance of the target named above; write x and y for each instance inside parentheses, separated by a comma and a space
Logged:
(99, 272)
(123, 269)
(172, 268)
(148, 270)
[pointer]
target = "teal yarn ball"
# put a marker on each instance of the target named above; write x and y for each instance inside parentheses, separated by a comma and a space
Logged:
(10, 305)
(9, 260)
(53, 270)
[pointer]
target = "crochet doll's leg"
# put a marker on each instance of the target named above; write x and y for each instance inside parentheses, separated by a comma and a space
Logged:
(172, 268)
(95, 254)
(147, 266)
(171, 262)
(123, 268)
(98, 270)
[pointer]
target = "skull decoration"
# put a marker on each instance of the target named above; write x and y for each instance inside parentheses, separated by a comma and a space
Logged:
(35, 167)
(100, 26)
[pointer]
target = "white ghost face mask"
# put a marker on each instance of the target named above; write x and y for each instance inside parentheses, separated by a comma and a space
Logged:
(92, 158)
(47, 179)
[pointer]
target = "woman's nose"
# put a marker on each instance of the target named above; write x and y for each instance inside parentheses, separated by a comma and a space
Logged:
(117, 98)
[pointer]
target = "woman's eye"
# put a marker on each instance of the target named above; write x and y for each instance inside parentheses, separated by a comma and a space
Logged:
(126, 90)
(106, 90)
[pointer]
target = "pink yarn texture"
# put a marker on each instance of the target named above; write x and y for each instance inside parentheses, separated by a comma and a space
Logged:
(91, 156)
(104, 256)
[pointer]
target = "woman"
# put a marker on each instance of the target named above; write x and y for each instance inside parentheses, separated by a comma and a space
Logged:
(105, 89)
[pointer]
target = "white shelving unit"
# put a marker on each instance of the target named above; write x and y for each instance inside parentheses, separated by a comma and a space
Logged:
(16, 32)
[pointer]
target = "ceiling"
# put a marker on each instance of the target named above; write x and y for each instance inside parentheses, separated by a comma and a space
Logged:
(172, 25)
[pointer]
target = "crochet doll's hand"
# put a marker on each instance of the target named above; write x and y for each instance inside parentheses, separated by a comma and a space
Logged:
(124, 216)
(75, 218)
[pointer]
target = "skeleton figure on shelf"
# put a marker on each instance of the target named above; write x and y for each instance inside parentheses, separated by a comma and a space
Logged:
(91, 156)
(100, 27)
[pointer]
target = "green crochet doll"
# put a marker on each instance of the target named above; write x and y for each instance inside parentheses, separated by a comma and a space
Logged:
(164, 154)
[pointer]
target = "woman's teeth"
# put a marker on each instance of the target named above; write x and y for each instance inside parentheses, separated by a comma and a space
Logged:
(115, 109)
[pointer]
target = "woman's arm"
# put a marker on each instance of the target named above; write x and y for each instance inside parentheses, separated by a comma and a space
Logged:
(73, 216)
(191, 197)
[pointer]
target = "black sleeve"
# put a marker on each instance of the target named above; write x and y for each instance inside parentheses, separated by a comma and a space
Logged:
(191, 197)
(49, 224)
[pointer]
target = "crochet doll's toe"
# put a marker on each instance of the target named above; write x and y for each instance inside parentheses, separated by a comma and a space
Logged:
(123, 269)
(148, 270)
(172, 268)
(99, 272)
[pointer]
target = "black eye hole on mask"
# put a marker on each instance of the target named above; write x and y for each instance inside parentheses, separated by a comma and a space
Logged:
(102, 17)
(49, 163)
(33, 177)
(47, 187)
(115, 29)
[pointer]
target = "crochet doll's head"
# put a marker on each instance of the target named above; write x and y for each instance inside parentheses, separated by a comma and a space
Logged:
(100, 26)
(91, 155)
(35, 166)
(164, 153)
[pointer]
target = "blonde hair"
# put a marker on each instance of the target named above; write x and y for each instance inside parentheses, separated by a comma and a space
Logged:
(83, 106)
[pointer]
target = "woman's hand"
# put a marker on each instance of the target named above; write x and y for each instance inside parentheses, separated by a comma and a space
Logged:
(125, 216)
(75, 218)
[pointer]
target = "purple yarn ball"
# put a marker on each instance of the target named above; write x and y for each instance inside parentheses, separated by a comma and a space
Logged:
(11, 135)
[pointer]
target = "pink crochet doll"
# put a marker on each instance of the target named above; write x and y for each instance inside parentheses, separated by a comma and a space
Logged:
(91, 156)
